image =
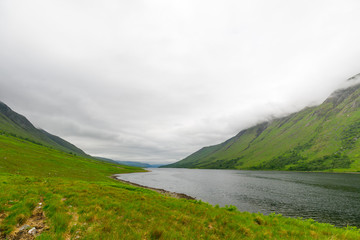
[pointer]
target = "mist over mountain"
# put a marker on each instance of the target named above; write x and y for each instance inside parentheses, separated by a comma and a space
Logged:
(324, 137)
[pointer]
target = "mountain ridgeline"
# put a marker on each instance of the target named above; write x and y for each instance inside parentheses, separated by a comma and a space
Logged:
(12, 123)
(320, 138)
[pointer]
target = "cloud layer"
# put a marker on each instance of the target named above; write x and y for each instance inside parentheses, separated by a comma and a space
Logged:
(153, 81)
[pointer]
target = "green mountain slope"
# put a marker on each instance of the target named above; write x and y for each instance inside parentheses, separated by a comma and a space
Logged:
(325, 137)
(63, 196)
(16, 124)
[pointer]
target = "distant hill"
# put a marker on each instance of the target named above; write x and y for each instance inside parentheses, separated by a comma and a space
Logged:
(130, 163)
(17, 125)
(139, 164)
(324, 137)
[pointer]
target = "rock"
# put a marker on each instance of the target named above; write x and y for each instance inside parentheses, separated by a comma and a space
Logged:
(32, 231)
(24, 227)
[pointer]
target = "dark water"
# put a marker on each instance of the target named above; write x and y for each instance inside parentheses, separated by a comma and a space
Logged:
(324, 197)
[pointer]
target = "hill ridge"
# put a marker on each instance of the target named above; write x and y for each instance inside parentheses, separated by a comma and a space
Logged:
(317, 138)
(14, 123)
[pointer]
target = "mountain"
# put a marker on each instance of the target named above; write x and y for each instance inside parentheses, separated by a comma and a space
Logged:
(130, 163)
(139, 164)
(324, 137)
(63, 196)
(15, 124)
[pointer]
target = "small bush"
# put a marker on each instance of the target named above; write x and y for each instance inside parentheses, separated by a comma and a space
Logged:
(230, 208)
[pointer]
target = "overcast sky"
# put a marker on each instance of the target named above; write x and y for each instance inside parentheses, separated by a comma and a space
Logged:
(154, 81)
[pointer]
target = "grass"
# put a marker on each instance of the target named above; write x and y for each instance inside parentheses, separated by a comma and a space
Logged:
(72, 197)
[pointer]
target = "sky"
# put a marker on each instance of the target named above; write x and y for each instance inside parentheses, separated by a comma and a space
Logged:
(154, 81)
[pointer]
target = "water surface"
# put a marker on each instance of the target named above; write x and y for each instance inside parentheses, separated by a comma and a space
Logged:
(325, 197)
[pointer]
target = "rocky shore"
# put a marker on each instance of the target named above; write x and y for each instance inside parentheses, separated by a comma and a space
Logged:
(162, 191)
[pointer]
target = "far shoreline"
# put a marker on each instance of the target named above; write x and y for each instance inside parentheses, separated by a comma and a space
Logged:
(261, 170)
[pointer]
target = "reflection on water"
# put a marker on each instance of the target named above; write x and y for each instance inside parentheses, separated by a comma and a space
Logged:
(325, 197)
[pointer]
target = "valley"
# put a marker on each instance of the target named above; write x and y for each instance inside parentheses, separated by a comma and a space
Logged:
(47, 193)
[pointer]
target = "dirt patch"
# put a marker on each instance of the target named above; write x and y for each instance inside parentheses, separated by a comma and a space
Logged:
(74, 221)
(34, 226)
(162, 191)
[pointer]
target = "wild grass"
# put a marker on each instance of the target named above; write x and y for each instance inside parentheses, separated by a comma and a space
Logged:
(80, 201)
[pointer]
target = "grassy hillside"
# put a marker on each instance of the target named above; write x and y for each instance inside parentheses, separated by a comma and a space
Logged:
(18, 125)
(71, 197)
(322, 138)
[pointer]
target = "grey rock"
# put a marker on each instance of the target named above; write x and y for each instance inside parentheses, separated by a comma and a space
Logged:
(32, 231)
(24, 227)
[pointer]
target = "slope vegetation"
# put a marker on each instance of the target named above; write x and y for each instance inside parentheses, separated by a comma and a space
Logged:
(17, 125)
(325, 137)
(50, 194)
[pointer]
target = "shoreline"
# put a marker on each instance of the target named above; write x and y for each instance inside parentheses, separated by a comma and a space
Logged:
(263, 170)
(161, 191)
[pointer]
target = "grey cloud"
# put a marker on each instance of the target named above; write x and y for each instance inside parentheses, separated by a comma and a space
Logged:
(156, 81)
